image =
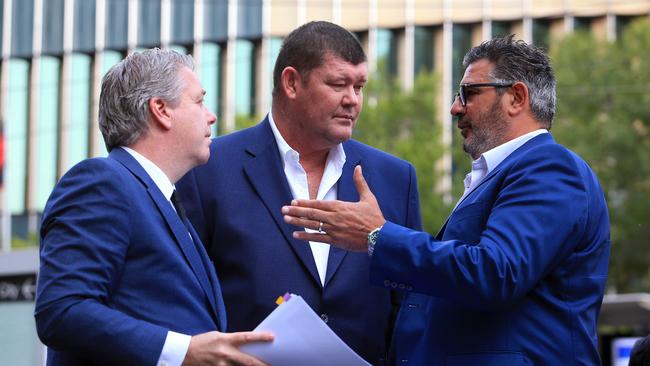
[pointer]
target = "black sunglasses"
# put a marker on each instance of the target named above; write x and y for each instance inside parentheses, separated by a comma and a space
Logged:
(463, 88)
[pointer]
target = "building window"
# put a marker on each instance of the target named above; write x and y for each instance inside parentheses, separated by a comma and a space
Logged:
(117, 24)
(109, 59)
(149, 24)
(245, 76)
(215, 20)
(582, 24)
(462, 42)
(423, 49)
(79, 104)
(249, 19)
(48, 121)
(53, 27)
(542, 33)
(622, 23)
(387, 52)
(2, 18)
(210, 71)
(182, 22)
(22, 24)
(501, 29)
(84, 26)
(275, 43)
(16, 134)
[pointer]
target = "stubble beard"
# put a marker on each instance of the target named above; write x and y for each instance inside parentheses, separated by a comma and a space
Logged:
(489, 133)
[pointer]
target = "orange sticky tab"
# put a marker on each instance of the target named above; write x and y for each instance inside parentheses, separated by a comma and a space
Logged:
(279, 300)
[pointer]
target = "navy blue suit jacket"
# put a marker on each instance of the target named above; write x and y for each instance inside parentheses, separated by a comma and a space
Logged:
(234, 202)
(118, 269)
(517, 274)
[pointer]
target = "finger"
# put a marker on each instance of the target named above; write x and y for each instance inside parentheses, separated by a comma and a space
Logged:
(322, 205)
(304, 212)
(360, 182)
(302, 222)
(321, 238)
(239, 338)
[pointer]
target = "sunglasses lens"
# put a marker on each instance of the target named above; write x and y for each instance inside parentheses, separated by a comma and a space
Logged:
(461, 95)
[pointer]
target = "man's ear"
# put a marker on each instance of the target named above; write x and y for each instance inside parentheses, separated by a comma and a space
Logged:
(290, 80)
(160, 114)
(519, 99)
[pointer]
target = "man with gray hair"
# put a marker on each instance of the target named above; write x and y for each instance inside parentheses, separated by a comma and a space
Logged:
(124, 278)
(517, 274)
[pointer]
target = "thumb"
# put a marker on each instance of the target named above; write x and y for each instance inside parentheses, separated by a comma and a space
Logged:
(362, 185)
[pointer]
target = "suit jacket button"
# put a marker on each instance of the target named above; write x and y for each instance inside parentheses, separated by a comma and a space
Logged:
(405, 361)
(324, 317)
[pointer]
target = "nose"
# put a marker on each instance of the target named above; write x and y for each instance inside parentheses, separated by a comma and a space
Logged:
(351, 97)
(212, 118)
(457, 108)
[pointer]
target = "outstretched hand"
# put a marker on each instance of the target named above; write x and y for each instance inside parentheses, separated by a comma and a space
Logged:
(344, 224)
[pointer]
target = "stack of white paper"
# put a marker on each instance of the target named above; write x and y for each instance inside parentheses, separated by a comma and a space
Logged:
(301, 338)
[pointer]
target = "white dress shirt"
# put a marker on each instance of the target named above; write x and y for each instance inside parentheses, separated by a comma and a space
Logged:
(176, 344)
(490, 159)
(297, 179)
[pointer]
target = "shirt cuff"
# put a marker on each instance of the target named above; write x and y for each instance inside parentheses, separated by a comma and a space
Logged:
(174, 349)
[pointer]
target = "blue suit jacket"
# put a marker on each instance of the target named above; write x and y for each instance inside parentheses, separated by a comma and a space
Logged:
(517, 274)
(118, 269)
(234, 202)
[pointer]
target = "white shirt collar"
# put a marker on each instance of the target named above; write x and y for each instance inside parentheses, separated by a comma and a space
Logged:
(495, 156)
(155, 173)
(336, 156)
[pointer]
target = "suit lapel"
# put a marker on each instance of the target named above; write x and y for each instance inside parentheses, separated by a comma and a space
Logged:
(178, 228)
(265, 173)
(220, 308)
(541, 139)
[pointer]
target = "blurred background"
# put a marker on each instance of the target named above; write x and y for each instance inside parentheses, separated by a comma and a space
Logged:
(55, 52)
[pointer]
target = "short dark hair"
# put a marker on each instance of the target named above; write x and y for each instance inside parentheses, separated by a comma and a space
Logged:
(515, 60)
(305, 47)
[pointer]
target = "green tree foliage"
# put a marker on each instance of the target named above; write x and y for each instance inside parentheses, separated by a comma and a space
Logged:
(604, 115)
(403, 123)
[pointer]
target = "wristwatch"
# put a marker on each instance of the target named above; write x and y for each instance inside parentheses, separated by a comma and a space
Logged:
(372, 240)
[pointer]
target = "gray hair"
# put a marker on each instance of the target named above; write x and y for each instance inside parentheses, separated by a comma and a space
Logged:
(517, 61)
(129, 85)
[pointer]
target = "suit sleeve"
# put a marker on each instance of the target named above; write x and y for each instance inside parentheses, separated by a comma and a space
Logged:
(413, 214)
(536, 220)
(84, 243)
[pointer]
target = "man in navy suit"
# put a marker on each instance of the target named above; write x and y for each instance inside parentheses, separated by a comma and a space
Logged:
(517, 274)
(302, 149)
(124, 278)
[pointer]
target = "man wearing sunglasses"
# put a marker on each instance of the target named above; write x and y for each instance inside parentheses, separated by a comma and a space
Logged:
(517, 274)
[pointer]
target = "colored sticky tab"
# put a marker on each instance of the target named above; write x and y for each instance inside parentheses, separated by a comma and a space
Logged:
(279, 300)
(283, 298)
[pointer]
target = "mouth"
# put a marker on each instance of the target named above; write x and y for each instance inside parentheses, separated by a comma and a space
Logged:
(346, 119)
(464, 129)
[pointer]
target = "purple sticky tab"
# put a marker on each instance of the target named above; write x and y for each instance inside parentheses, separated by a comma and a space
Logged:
(286, 296)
